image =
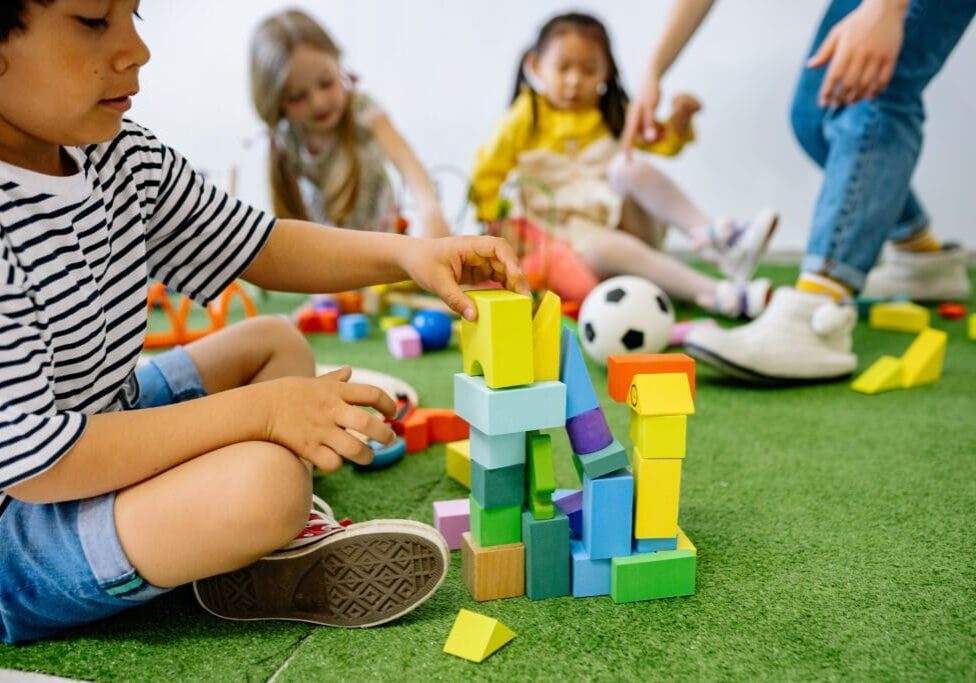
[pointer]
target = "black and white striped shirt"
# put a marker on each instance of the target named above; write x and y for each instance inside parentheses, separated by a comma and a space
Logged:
(75, 255)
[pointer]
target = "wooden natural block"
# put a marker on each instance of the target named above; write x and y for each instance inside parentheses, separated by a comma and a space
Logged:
(900, 316)
(541, 405)
(458, 462)
(621, 370)
(922, 362)
(499, 486)
(883, 375)
(499, 343)
(580, 396)
(492, 573)
(495, 526)
(684, 543)
(664, 574)
(665, 394)
(476, 637)
(657, 487)
(659, 436)
(546, 556)
(546, 325)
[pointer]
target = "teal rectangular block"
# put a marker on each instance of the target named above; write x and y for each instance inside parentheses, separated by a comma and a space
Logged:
(546, 556)
(497, 450)
(540, 405)
(499, 486)
(495, 526)
(602, 462)
(664, 574)
(590, 577)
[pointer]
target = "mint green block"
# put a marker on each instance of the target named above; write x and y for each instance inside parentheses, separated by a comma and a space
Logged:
(664, 574)
(495, 526)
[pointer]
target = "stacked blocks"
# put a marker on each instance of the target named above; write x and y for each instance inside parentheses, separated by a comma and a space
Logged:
(499, 344)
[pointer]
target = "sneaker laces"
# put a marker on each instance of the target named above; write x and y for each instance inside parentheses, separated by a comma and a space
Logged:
(321, 524)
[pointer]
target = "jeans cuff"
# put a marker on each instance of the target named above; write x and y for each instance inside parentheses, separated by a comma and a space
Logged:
(847, 275)
(180, 374)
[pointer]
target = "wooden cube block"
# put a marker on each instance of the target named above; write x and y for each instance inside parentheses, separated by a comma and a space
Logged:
(546, 325)
(492, 573)
(662, 436)
(495, 526)
(452, 518)
(458, 462)
(657, 484)
(580, 396)
(499, 343)
(900, 316)
(664, 394)
(541, 405)
(621, 371)
(353, 327)
(589, 577)
(664, 574)
(608, 514)
(546, 556)
(499, 486)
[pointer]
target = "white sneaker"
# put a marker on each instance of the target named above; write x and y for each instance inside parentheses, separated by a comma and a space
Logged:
(801, 337)
(742, 300)
(737, 247)
(921, 276)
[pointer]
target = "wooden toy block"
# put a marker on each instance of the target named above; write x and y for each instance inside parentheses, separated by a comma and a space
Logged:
(497, 450)
(546, 325)
(443, 425)
(452, 518)
(608, 515)
(495, 526)
(652, 545)
(499, 343)
(657, 484)
(972, 326)
(621, 371)
(492, 573)
(542, 474)
(663, 394)
(413, 428)
(664, 574)
(541, 405)
(659, 436)
(950, 310)
(404, 342)
(603, 461)
(580, 396)
(350, 302)
(353, 327)
(387, 322)
(498, 487)
(570, 501)
(684, 543)
(883, 375)
(922, 362)
(546, 556)
(590, 577)
(476, 637)
(900, 316)
(589, 432)
(457, 458)
(327, 320)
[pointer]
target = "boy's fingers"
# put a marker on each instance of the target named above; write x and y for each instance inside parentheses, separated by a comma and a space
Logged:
(349, 447)
(368, 395)
(370, 426)
(324, 458)
(340, 374)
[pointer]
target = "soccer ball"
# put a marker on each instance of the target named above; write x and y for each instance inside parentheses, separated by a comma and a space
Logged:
(625, 314)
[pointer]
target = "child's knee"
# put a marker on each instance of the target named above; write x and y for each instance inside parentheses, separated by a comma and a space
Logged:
(281, 337)
(620, 173)
(270, 494)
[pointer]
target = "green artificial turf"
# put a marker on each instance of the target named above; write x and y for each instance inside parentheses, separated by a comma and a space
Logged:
(835, 535)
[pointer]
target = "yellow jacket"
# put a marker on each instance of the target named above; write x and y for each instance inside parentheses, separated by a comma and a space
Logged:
(555, 130)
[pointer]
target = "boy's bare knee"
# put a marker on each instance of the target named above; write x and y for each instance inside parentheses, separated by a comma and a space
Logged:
(283, 339)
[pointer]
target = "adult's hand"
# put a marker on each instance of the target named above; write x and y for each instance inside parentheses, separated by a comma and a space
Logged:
(641, 112)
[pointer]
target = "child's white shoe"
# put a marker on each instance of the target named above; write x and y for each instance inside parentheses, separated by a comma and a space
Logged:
(741, 299)
(800, 337)
(921, 276)
(737, 247)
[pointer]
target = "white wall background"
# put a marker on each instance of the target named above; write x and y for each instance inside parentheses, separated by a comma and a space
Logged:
(444, 69)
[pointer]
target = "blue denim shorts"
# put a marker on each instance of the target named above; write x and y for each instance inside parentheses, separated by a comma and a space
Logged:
(62, 565)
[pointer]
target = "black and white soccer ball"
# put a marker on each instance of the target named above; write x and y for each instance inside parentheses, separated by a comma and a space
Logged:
(625, 314)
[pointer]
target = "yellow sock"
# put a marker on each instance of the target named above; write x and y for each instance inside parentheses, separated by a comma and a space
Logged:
(920, 241)
(821, 284)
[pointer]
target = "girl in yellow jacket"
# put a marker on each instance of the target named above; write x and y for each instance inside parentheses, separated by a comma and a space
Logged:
(560, 137)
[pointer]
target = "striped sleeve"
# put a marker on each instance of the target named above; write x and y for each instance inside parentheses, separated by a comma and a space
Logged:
(33, 434)
(199, 238)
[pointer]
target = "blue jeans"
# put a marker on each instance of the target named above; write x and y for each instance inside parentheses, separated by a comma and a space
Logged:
(868, 150)
(61, 564)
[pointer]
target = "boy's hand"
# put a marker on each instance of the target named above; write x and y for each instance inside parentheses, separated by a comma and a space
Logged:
(442, 265)
(311, 418)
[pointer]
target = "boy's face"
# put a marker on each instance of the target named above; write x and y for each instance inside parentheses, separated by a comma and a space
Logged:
(69, 76)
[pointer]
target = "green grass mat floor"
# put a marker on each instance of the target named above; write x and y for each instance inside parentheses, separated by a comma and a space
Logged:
(835, 534)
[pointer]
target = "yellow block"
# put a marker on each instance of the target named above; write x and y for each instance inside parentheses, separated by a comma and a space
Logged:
(900, 316)
(475, 636)
(883, 375)
(390, 321)
(499, 343)
(972, 326)
(546, 330)
(458, 462)
(922, 362)
(684, 543)
(661, 394)
(659, 437)
(657, 488)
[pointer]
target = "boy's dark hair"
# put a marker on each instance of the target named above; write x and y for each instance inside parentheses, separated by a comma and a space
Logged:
(12, 16)
(613, 102)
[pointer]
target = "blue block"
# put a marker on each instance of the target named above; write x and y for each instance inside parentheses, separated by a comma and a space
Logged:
(546, 556)
(580, 396)
(499, 486)
(608, 515)
(590, 577)
(652, 545)
(353, 327)
(570, 501)
(383, 455)
(401, 311)
(499, 450)
(540, 405)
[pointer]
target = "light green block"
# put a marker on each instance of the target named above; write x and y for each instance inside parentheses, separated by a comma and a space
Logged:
(664, 574)
(542, 474)
(495, 526)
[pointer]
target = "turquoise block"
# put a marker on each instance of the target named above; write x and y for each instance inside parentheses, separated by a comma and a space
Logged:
(608, 515)
(652, 545)
(497, 487)
(603, 461)
(590, 577)
(540, 405)
(580, 396)
(546, 556)
(499, 450)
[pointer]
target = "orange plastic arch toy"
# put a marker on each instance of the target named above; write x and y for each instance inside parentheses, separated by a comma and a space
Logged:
(179, 332)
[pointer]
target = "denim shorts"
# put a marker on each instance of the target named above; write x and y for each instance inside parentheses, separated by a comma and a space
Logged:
(61, 564)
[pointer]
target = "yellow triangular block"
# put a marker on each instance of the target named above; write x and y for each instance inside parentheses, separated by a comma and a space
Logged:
(883, 375)
(901, 316)
(476, 637)
(546, 331)
(922, 362)
(684, 543)
(661, 394)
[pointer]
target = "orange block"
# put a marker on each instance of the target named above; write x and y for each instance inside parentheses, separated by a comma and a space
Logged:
(622, 369)
(413, 429)
(444, 425)
(350, 302)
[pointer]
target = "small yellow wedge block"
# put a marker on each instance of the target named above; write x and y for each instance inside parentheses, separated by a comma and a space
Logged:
(684, 543)
(972, 326)
(458, 462)
(476, 637)
(546, 331)
(657, 488)
(900, 316)
(922, 362)
(659, 437)
(499, 343)
(883, 375)
(665, 394)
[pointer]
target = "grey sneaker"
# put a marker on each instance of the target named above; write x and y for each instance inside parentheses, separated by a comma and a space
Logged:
(921, 276)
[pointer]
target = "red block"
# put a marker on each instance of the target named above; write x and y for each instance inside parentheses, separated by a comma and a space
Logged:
(443, 425)
(621, 370)
(952, 311)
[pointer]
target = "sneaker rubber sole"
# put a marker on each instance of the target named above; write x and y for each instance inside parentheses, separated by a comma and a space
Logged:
(747, 375)
(369, 574)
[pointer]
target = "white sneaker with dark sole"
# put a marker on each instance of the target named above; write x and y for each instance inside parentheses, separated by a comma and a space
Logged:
(740, 246)
(933, 276)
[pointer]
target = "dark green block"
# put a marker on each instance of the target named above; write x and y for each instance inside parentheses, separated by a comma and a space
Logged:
(546, 555)
(498, 487)
(664, 574)
(495, 526)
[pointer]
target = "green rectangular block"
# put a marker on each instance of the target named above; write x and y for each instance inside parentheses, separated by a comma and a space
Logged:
(497, 486)
(542, 474)
(546, 556)
(664, 574)
(495, 526)
(542, 507)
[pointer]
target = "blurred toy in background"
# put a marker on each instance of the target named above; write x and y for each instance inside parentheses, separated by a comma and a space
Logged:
(180, 332)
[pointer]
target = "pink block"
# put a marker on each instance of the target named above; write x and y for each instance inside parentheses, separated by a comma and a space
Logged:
(403, 341)
(452, 518)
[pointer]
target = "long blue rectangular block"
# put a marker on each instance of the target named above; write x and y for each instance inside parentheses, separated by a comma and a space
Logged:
(608, 515)
(590, 577)
(540, 405)
(496, 450)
